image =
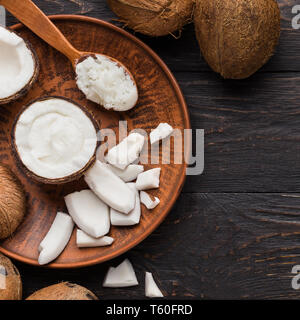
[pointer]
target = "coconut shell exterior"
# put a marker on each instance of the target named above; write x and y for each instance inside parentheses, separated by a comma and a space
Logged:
(33, 79)
(153, 18)
(12, 202)
(77, 175)
(237, 37)
(10, 280)
(63, 291)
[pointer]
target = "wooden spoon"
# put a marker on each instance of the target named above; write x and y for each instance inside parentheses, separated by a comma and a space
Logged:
(32, 17)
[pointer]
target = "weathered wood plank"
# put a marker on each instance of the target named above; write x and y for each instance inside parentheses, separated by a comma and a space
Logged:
(251, 132)
(183, 54)
(230, 246)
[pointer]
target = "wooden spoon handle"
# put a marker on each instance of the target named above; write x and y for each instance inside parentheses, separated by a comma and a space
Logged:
(32, 17)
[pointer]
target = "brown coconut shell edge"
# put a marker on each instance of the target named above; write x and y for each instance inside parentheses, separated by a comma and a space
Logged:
(63, 291)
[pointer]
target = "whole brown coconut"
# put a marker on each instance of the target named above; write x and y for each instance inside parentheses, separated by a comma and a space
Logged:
(63, 291)
(153, 17)
(237, 37)
(12, 202)
(10, 280)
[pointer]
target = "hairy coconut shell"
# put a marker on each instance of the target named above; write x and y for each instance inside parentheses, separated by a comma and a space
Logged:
(63, 291)
(153, 17)
(237, 37)
(12, 202)
(10, 280)
(75, 176)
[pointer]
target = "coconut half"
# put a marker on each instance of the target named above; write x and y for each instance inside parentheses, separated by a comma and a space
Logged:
(18, 64)
(55, 139)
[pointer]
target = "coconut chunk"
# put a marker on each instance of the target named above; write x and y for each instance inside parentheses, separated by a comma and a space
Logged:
(17, 63)
(151, 288)
(161, 132)
(126, 152)
(130, 219)
(147, 201)
(83, 240)
(89, 213)
(148, 179)
(56, 239)
(105, 82)
(110, 188)
(130, 173)
(121, 276)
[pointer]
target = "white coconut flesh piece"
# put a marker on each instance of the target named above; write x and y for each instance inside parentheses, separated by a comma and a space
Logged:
(56, 239)
(110, 188)
(83, 240)
(147, 201)
(151, 288)
(130, 219)
(130, 173)
(89, 213)
(121, 276)
(17, 63)
(161, 132)
(107, 83)
(127, 151)
(148, 179)
(54, 138)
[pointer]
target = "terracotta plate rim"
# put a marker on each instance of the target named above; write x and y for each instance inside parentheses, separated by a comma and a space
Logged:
(178, 189)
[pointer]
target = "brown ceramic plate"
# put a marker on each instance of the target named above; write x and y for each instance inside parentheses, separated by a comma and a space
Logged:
(160, 100)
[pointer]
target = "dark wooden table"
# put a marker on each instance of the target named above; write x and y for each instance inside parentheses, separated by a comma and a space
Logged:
(235, 230)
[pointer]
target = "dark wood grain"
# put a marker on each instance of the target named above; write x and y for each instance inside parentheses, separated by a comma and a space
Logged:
(239, 237)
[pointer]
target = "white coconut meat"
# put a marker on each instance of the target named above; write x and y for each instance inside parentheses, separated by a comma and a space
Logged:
(55, 138)
(120, 219)
(126, 152)
(107, 83)
(83, 240)
(130, 173)
(17, 63)
(161, 132)
(151, 288)
(147, 201)
(56, 239)
(89, 213)
(148, 179)
(121, 276)
(110, 188)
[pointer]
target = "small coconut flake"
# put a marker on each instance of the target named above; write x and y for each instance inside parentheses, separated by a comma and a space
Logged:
(148, 179)
(89, 213)
(110, 188)
(130, 173)
(105, 82)
(126, 152)
(56, 239)
(130, 219)
(161, 132)
(83, 240)
(121, 276)
(147, 201)
(151, 288)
